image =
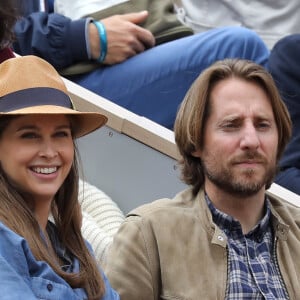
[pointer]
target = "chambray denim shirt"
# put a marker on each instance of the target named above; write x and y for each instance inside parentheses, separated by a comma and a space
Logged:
(23, 277)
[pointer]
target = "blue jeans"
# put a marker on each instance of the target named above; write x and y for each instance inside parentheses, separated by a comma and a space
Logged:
(153, 83)
(284, 65)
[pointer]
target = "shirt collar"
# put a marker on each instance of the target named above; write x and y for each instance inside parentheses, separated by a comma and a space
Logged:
(59, 248)
(233, 228)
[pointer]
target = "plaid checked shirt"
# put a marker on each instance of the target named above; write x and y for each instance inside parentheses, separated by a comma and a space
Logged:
(253, 272)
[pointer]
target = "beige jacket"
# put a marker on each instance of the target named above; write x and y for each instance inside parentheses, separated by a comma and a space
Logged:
(171, 249)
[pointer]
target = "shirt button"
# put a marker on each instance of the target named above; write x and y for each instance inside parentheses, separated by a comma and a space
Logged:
(49, 287)
(220, 238)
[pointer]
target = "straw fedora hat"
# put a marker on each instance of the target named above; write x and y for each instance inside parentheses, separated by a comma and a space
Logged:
(30, 85)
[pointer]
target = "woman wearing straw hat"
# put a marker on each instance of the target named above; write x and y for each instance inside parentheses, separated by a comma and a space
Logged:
(40, 259)
(101, 216)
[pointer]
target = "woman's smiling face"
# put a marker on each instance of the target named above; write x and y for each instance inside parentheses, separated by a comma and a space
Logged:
(36, 153)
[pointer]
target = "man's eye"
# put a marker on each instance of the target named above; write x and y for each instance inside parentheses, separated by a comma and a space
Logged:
(263, 125)
(230, 125)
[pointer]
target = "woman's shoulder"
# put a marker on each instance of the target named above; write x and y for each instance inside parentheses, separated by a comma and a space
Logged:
(14, 250)
(9, 238)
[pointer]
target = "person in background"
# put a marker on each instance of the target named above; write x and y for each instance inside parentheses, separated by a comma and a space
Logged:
(224, 237)
(284, 65)
(101, 218)
(39, 177)
(271, 20)
(148, 80)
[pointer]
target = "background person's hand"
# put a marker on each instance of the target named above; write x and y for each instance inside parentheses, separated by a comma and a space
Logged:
(125, 38)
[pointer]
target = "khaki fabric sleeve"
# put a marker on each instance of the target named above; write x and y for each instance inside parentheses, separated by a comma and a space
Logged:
(132, 261)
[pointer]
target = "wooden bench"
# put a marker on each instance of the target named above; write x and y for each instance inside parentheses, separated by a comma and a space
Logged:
(133, 159)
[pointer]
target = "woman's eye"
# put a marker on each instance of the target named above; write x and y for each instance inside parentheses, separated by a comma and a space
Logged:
(62, 134)
(29, 135)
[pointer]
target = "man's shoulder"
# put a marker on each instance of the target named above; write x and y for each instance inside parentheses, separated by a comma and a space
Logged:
(280, 201)
(183, 200)
(284, 208)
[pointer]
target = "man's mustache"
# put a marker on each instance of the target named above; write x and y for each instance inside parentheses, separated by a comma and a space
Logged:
(249, 156)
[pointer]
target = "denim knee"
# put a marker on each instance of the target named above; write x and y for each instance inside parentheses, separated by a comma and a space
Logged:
(249, 43)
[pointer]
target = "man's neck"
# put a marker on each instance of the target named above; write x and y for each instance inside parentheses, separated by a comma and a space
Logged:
(248, 210)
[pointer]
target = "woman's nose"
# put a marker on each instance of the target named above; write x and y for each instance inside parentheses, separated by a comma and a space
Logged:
(48, 149)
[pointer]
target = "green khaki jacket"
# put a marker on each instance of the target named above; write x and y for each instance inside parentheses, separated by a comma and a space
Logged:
(171, 249)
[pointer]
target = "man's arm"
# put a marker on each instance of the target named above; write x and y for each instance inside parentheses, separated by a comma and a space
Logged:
(125, 38)
(57, 39)
(131, 267)
(62, 42)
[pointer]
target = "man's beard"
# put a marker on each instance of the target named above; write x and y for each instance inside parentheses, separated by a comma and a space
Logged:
(236, 185)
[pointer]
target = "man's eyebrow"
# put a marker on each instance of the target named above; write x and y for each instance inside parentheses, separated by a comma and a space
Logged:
(230, 118)
(263, 117)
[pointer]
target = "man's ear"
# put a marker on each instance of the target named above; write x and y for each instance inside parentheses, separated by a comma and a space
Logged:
(197, 153)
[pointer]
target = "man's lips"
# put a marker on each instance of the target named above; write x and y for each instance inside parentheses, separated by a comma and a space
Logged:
(248, 162)
(249, 159)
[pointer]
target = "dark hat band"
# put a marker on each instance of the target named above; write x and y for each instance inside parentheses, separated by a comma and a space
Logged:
(34, 97)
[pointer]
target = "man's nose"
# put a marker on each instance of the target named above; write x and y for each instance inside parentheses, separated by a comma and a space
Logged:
(250, 138)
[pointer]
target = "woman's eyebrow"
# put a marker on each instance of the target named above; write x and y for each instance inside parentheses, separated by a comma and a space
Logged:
(34, 127)
(65, 126)
(27, 127)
